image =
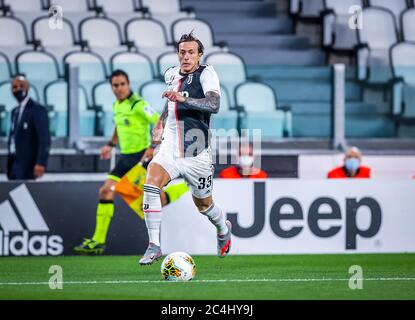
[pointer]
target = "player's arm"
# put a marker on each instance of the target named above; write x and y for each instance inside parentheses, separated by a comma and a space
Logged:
(211, 102)
(159, 127)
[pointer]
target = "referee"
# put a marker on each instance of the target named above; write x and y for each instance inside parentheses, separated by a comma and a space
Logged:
(133, 117)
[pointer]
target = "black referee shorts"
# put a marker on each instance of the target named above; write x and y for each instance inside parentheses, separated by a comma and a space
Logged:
(124, 164)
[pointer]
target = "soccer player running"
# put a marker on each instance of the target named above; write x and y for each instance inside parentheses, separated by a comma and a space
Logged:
(132, 117)
(193, 94)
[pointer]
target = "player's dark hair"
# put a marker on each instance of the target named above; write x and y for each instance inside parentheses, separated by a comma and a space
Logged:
(117, 73)
(188, 37)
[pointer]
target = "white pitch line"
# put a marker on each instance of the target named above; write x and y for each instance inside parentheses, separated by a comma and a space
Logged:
(197, 281)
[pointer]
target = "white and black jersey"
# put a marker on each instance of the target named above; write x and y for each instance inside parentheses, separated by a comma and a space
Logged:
(187, 130)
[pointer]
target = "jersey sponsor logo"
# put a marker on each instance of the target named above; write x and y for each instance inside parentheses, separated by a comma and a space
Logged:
(185, 94)
(22, 239)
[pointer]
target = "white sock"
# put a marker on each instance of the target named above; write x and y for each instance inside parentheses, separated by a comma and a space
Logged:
(152, 212)
(215, 215)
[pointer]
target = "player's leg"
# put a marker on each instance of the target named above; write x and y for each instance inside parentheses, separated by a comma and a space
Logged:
(157, 177)
(216, 216)
(199, 175)
(104, 214)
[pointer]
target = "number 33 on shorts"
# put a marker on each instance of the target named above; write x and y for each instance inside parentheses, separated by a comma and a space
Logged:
(205, 183)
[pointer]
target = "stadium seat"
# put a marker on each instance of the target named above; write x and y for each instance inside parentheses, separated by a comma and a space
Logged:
(337, 34)
(403, 64)
(100, 32)
(375, 38)
(259, 104)
(8, 102)
(72, 5)
(395, 6)
(137, 65)
(138, 30)
(48, 37)
(306, 9)
(201, 30)
(408, 25)
(162, 6)
(151, 92)
(40, 68)
(111, 6)
(165, 61)
(103, 99)
(230, 68)
(59, 123)
(225, 122)
(13, 32)
(5, 68)
(91, 69)
(24, 5)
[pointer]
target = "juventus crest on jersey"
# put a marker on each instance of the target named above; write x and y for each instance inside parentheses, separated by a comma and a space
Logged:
(187, 130)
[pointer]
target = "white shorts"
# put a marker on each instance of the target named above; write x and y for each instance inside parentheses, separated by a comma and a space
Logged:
(196, 171)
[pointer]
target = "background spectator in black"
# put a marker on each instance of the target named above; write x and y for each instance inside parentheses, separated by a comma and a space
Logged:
(29, 139)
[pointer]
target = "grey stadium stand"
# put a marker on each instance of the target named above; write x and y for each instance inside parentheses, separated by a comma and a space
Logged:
(261, 110)
(53, 97)
(397, 7)
(139, 66)
(103, 99)
(230, 68)
(40, 68)
(408, 25)
(92, 69)
(72, 5)
(306, 9)
(201, 29)
(375, 39)
(151, 91)
(403, 63)
(226, 121)
(337, 35)
(138, 29)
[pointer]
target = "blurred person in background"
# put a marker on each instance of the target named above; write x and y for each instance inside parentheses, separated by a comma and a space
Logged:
(245, 167)
(351, 167)
(29, 139)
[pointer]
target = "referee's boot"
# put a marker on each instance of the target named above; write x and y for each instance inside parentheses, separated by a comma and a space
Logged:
(90, 247)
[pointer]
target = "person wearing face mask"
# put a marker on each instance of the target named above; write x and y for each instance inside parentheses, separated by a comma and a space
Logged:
(245, 167)
(29, 139)
(352, 167)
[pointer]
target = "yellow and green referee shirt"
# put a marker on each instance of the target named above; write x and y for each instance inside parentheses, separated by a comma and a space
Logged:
(133, 117)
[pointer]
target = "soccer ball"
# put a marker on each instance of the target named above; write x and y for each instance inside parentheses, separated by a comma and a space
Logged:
(178, 266)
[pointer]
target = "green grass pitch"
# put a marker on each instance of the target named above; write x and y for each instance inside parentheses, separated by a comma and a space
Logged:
(386, 276)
